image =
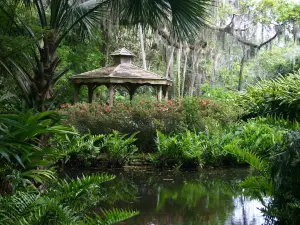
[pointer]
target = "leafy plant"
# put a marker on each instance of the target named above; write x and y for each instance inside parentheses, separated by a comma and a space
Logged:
(145, 117)
(183, 150)
(285, 170)
(63, 203)
(23, 153)
(276, 97)
(81, 147)
(119, 148)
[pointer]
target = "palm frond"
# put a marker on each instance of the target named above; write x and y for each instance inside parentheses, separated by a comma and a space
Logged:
(182, 17)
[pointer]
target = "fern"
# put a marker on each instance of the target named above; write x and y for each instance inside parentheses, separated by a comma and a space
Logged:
(65, 203)
(113, 216)
(247, 156)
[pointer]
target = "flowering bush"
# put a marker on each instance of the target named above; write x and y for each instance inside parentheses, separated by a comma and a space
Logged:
(145, 117)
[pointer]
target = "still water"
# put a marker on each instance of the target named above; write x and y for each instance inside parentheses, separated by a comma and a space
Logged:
(209, 197)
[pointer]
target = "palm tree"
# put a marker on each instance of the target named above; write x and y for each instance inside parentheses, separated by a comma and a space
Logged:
(57, 18)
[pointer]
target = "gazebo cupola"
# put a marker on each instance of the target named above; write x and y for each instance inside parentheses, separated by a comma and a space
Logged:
(121, 73)
(122, 56)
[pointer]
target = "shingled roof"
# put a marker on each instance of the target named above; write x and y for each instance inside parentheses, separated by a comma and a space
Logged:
(122, 72)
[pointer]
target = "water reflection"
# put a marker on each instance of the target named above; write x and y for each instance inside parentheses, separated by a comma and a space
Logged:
(188, 198)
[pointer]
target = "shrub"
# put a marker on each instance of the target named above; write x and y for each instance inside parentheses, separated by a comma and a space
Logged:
(277, 97)
(145, 117)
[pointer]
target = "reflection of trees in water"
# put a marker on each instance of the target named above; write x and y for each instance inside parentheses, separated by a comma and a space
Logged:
(178, 198)
(178, 201)
(209, 202)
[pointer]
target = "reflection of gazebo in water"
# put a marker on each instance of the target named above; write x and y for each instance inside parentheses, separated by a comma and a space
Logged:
(122, 73)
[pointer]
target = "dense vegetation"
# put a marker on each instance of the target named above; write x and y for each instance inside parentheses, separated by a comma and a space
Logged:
(213, 119)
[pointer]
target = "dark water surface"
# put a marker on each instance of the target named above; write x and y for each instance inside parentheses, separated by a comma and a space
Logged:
(210, 197)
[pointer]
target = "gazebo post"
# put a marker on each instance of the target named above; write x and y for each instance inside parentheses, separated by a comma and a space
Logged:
(90, 92)
(76, 92)
(111, 94)
(159, 93)
(166, 93)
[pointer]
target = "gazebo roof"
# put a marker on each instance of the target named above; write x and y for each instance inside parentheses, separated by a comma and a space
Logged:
(121, 73)
(122, 51)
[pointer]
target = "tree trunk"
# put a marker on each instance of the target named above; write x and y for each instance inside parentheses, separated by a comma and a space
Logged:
(194, 64)
(241, 73)
(179, 70)
(215, 64)
(170, 69)
(169, 61)
(141, 35)
(186, 52)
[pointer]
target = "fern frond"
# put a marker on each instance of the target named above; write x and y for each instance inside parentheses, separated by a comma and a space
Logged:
(247, 156)
(114, 216)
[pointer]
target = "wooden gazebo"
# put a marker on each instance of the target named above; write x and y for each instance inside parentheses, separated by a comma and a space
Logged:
(122, 73)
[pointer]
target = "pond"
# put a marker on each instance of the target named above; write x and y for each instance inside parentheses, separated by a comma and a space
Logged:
(211, 197)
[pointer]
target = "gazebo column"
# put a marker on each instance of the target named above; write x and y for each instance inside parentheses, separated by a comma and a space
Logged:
(166, 93)
(90, 92)
(111, 93)
(76, 92)
(159, 93)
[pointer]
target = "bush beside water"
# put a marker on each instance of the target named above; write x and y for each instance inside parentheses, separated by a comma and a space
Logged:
(145, 117)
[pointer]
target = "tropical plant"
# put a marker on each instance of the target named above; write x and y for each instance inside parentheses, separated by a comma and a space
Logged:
(119, 148)
(277, 178)
(84, 147)
(66, 202)
(257, 135)
(285, 169)
(55, 20)
(183, 150)
(23, 155)
(277, 97)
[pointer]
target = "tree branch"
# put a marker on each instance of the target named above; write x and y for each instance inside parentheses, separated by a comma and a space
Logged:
(229, 30)
(164, 35)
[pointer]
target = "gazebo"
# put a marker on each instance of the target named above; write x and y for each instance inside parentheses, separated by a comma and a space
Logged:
(122, 73)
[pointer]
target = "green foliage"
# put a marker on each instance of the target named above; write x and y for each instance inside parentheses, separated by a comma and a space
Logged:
(182, 150)
(51, 22)
(278, 97)
(64, 203)
(22, 150)
(219, 93)
(82, 147)
(285, 170)
(258, 135)
(273, 63)
(119, 148)
(145, 117)
(278, 176)
(114, 149)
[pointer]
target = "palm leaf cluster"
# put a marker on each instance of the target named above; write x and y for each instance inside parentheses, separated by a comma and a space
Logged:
(64, 203)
